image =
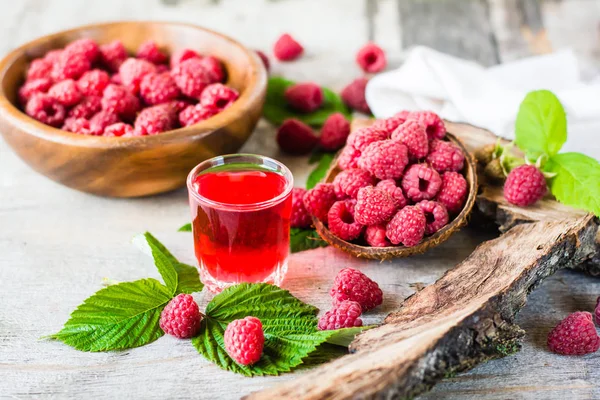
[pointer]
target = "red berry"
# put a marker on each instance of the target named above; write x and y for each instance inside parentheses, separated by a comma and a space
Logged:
(93, 82)
(319, 200)
(158, 88)
(70, 66)
(340, 219)
(119, 129)
(445, 156)
(264, 59)
(371, 58)
(412, 134)
(155, 119)
(87, 48)
(244, 340)
(193, 114)
(191, 77)
(65, 92)
(300, 216)
(286, 48)
(77, 125)
(116, 79)
(181, 55)
(304, 97)
(39, 68)
(32, 87)
(524, 186)
(133, 70)
(574, 335)
(46, 109)
(374, 206)
(349, 181)
(361, 138)
(181, 317)
(121, 101)
(213, 68)
(421, 182)
(353, 95)
(53, 55)
(348, 158)
(375, 236)
(86, 108)
(436, 215)
(389, 124)
(344, 315)
(218, 96)
(434, 126)
(295, 137)
(385, 159)
(101, 120)
(150, 51)
(113, 54)
(407, 226)
(389, 185)
(453, 191)
(597, 311)
(334, 132)
(351, 284)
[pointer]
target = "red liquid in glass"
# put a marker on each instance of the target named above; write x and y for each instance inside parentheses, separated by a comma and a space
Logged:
(245, 245)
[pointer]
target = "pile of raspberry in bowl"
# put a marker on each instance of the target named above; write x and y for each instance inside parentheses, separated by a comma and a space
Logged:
(100, 90)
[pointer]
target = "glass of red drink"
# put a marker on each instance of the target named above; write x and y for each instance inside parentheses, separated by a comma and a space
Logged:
(241, 206)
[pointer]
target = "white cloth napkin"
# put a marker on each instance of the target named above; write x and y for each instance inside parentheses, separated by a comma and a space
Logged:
(464, 91)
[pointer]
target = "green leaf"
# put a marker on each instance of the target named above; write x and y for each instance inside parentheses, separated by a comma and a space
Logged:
(165, 262)
(305, 239)
(541, 125)
(276, 109)
(320, 170)
(344, 336)
(577, 180)
(185, 228)
(188, 279)
(117, 317)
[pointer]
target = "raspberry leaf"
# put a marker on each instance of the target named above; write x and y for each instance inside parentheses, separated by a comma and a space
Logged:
(320, 170)
(305, 239)
(185, 228)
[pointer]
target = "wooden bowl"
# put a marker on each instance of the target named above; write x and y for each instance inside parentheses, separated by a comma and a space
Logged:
(386, 253)
(133, 166)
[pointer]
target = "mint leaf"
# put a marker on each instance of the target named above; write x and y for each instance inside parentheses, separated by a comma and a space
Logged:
(541, 125)
(320, 170)
(305, 239)
(164, 261)
(577, 180)
(276, 109)
(185, 228)
(117, 317)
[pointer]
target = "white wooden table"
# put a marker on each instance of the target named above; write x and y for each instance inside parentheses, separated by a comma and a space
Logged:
(56, 244)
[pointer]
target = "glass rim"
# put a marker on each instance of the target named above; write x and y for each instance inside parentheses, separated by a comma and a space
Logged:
(222, 160)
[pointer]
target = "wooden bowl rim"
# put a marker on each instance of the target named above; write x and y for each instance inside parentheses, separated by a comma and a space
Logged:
(389, 252)
(249, 96)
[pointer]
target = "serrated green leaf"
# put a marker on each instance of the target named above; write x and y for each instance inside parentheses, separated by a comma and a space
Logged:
(188, 279)
(276, 109)
(343, 337)
(164, 261)
(541, 125)
(305, 239)
(117, 317)
(320, 170)
(185, 228)
(577, 180)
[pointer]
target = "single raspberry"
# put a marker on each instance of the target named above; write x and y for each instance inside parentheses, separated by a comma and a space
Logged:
(195, 113)
(353, 95)
(334, 132)
(244, 340)
(385, 159)
(218, 96)
(101, 120)
(300, 216)
(375, 236)
(348, 158)
(453, 191)
(213, 68)
(389, 185)
(264, 59)
(295, 137)
(158, 88)
(118, 129)
(70, 66)
(597, 311)
(412, 134)
(402, 115)
(93, 83)
(374, 206)
(349, 181)
(445, 156)
(66, 92)
(150, 51)
(436, 215)
(524, 186)
(46, 109)
(407, 226)
(120, 100)
(319, 200)
(85, 47)
(574, 335)
(32, 87)
(371, 58)
(181, 55)
(191, 77)
(361, 138)
(341, 222)
(434, 126)
(181, 317)
(286, 48)
(344, 315)
(133, 70)
(389, 125)
(77, 125)
(86, 108)
(421, 182)
(39, 68)
(351, 284)
(155, 119)
(53, 55)
(113, 54)
(304, 97)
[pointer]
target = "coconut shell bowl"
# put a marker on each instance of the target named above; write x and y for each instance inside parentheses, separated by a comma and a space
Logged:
(142, 165)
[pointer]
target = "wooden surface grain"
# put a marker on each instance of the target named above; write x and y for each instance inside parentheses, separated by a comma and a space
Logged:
(56, 244)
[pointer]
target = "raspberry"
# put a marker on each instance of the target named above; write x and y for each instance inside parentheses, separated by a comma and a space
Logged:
(156, 119)
(120, 100)
(46, 109)
(348, 182)
(133, 70)
(319, 200)
(389, 185)
(348, 158)
(213, 69)
(193, 114)
(118, 129)
(86, 108)
(597, 311)
(30, 88)
(434, 126)
(286, 48)
(436, 215)
(385, 159)
(218, 96)
(344, 315)
(304, 97)
(453, 191)
(375, 236)
(158, 88)
(445, 156)
(351, 284)
(295, 137)
(353, 95)
(93, 83)
(407, 226)
(181, 317)
(300, 216)
(53, 55)
(65, 92)
(574, 335)
(421, 182)
(179, 105)
(374, 206)
(264, 59)
(191, 77)
(113, 54)
(371, 58)
(181, 55)
(389, 124)
(70, 66)
(361, 138)
(101, 120)
(244, 340)
(39, 68)
(87, 48)
(412, 134)
(116, 79)
(162, 68)
(524, 186)
(334, 132)
(150, 51)
(77, 125)
(341, 220)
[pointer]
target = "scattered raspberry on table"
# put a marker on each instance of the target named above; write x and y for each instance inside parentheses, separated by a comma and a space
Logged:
(244, 340)
(371, 58)
(524, 186)
(181, 317)
(574, 335)
(304, 97)
(286, 48)
(344, 315)
(351, 284)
